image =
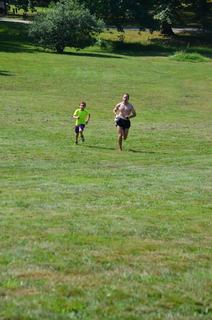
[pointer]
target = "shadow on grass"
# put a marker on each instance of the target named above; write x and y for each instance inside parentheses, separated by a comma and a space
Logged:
(114, 149)
(200, 43)
(6, 73)
(140, 151)
(99, 147)
(203, 38)
(138, 49)
(27, 47)
(16, 47)
(14, 38)
(11, 31)
(93, 54)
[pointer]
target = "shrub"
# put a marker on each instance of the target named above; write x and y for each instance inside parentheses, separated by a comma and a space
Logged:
(188, 57)
(67, 24)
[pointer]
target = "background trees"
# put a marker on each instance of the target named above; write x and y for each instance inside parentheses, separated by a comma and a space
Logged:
(120, 13)
(162, 14)
(152, 14)
(202, 10)
(169, 12)
(26, 5)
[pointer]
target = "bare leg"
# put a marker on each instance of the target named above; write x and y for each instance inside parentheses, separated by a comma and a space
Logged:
(77, 136)
(120, 137)
(82, 136)
(126, 131)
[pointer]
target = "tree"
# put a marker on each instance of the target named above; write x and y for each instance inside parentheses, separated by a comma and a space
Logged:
(120, 13)
(5, 6)
(67, 24)
(166, 12)
(26, 5)
(201, 9)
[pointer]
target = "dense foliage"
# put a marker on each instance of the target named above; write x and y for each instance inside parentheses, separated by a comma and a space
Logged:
(160, 14)
(168, 12)
(120, 13)
(148, 13)
(67, 24)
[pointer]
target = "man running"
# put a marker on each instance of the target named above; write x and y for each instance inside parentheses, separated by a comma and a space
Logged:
(123, 112)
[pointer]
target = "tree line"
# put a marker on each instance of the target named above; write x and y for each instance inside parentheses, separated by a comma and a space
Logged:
(75, 23)
(152, 14)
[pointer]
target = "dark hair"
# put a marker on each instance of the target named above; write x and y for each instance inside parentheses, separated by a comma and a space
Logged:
(126, 94)
(83, 103)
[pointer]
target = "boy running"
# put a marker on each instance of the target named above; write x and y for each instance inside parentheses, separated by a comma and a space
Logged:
(82, 117)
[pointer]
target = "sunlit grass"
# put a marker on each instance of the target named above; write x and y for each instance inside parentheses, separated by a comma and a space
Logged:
(131, 35)
(88, 232)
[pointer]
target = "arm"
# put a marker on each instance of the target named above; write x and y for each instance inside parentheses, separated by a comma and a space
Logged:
(133, 113)
(75, 115)
(88, 118)
(116, 109)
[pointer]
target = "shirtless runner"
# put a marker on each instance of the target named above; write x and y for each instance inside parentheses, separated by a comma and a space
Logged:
(123, 112)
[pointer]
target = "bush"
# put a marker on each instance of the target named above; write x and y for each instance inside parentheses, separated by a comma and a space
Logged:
(103, 44)
(67, 23)
(188, 57)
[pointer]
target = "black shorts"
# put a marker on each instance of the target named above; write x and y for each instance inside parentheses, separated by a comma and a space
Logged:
(125, 124)
(79, 128)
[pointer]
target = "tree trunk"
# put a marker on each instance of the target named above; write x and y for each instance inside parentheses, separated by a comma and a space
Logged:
(60, 48)
(5, 6)
(166, 29)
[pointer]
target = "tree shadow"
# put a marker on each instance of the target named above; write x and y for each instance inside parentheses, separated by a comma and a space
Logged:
(199, 42)
(190, 42)
(139, 49)
(13, 31)
(16, 47)
(14, 38)
(93, 54)
(6, 73)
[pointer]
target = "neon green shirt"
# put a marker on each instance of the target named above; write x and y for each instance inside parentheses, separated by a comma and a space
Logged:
(82, 114)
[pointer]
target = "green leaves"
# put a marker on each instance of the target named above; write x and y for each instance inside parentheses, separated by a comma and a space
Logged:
(66, 24)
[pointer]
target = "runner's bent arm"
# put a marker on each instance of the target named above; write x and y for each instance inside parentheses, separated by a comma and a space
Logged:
(88, 118)
(116, 108)
(75, 115)
(133, 113)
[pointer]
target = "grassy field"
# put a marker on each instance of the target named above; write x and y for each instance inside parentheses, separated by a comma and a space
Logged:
(88, 232)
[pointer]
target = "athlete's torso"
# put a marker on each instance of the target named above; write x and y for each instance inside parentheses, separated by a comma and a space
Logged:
(124, 110)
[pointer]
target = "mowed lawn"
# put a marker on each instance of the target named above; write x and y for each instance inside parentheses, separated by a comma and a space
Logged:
(89, 232)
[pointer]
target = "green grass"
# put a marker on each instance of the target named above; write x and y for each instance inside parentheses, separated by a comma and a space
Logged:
(87, 232)
(144, 43)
